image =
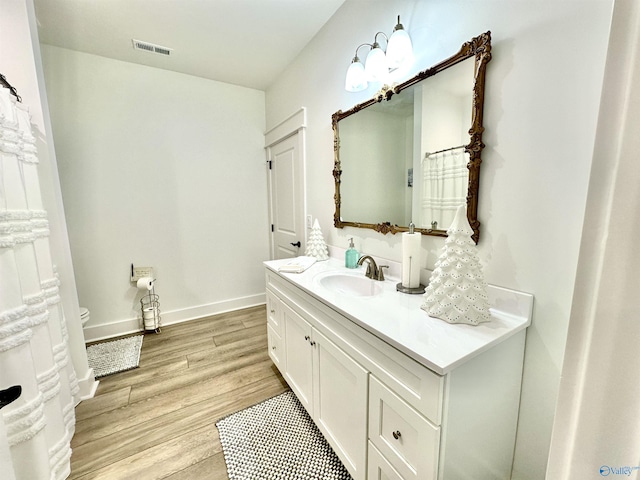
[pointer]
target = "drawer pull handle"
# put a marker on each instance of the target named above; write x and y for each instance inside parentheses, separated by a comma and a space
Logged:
(397, 434)
(273, 310)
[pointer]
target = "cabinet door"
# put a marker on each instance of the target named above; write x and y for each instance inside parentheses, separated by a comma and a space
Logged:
(340, 403)
(298, 356)
(274, 343)
(274, 313)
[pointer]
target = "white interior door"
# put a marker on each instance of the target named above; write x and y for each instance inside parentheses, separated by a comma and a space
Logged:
(286, 198)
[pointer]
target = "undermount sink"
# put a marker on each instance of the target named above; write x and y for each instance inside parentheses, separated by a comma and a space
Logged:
(352, 285)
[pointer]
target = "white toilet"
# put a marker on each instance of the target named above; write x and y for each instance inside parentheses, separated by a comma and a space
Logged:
(84, 316)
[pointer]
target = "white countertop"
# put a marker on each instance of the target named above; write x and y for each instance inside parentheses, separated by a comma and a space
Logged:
(397, 319)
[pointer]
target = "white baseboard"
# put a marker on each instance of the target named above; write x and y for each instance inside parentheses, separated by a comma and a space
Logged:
(88, 385)
(127, 326)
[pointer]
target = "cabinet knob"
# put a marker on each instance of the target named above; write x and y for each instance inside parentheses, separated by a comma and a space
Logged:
(313, 344)
(273, 310)
(273, 348)
(306, 337)
(397, 434)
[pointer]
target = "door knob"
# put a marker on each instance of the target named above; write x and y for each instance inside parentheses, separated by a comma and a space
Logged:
(297, 244)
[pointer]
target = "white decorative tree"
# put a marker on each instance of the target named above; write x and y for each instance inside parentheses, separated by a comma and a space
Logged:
(457, 292)
(316, 246)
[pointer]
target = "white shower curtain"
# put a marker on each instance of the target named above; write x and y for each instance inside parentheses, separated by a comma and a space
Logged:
(444, 186)
(36, 429)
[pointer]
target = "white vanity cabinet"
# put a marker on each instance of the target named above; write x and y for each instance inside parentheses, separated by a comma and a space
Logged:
(331, 386)
(275, 330)
(388, 410)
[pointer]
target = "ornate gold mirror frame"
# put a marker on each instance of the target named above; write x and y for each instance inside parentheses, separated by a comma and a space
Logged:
(478, 47)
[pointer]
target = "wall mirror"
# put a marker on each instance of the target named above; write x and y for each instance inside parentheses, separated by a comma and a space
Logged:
(413, 151)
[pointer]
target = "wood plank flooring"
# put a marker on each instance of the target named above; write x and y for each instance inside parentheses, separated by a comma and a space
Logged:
(158, 421)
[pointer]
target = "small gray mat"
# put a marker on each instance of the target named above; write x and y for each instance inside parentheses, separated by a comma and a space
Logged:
(276, 439)
(116, 356)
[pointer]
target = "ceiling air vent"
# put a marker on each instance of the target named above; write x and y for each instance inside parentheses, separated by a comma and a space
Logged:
(150, 47)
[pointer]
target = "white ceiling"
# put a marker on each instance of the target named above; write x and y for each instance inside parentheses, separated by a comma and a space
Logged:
(243, 42)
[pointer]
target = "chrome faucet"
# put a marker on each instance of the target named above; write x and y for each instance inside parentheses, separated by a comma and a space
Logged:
(373, 271)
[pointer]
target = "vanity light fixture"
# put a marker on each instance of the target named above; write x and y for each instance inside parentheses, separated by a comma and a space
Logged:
(378, 62)
(376, 66)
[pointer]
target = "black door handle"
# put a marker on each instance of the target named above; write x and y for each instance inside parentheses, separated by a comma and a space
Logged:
(297, 244)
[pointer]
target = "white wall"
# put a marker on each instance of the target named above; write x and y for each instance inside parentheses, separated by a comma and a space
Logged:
(20, 62)
(541, 107)
(156, 169)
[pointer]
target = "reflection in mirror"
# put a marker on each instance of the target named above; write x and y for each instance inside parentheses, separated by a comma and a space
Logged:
(441, 177)
(412, 153)
(376, 148)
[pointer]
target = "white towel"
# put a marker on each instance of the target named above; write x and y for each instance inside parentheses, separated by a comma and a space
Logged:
(297, 265)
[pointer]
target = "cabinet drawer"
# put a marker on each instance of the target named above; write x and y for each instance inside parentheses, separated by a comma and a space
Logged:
(404, 437)
(378, 467)
(417, 385)
(276, 350)
(274, 313)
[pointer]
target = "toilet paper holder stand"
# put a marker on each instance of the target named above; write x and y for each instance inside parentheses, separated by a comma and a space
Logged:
(150, 307)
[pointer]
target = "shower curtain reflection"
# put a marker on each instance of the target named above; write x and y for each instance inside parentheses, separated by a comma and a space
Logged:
(445, 180)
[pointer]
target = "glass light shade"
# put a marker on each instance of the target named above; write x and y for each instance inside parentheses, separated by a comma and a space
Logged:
(376, 65)
(399, 49)
(356, 78)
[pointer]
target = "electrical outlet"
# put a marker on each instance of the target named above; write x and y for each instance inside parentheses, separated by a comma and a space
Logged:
(138, 272)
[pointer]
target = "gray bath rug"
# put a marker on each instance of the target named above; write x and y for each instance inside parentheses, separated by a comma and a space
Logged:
(276, 439)
(116, 356)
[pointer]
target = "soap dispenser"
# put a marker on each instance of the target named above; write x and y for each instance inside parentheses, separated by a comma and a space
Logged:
(351, 256)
